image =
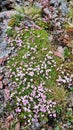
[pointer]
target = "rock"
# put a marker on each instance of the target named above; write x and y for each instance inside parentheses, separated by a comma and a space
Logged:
(1, 77)
(0, 8)
(2, 60)
(6, 4)
(9, 118)
(1, 110)
(7, 14)
(17, 126)
(1, 19)
(9, 4)
(1, 97)
(0, 30)
(7, 74)
(35, 126)
(59, 52)
(50, 38)
(7, 94)
(3, 45)
(8, 121)
(6, 125)
(1, 85)
(47, 12)
(1, 69)
(5, 81)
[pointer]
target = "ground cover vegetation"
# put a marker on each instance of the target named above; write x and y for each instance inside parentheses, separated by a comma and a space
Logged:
(41, 78)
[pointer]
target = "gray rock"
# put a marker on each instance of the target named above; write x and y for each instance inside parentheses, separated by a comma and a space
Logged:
(1, 69)
(0, 30)
(1, 95)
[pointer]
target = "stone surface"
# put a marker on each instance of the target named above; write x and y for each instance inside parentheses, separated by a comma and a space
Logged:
(5, 81)
(0, 30)
(9, 4)
(1, 95)
(17, 126)
(1, 77)
(1, 60)
(1, 69)
(1, 85)
(4, 52)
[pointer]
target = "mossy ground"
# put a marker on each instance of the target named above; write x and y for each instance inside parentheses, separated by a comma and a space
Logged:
(35, 64)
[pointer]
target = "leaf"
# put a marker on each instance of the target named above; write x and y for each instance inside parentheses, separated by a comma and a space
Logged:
(57, 128)
(71, 119)
(70, 25)
(66, 52)
(71, 88)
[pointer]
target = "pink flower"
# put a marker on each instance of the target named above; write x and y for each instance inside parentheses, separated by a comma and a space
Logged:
(31, 73)
(43, 109)
(33, 93)
(36, 107)
(18, 110)
(54, 115)
(31, 99)
(19, 41)
(17, 29)
(35, 120)
(25, 102)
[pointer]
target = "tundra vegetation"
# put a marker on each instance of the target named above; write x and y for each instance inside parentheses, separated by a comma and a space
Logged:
(41, 69)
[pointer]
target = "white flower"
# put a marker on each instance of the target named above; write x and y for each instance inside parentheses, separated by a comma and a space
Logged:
(31, 73)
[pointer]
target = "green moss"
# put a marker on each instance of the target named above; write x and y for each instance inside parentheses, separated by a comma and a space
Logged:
(30, 55)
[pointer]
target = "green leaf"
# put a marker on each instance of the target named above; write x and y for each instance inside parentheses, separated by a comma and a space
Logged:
(57, 128)
(71, 120)
(71, 88)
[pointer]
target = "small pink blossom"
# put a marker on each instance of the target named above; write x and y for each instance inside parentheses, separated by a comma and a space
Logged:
(25, 102)
(18, 110)
(31, 73)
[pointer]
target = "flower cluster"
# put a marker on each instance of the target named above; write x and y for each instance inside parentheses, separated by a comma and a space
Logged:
(35, 105)
(30, 69)
(34, 70)
(65, 78)
(30, 98)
